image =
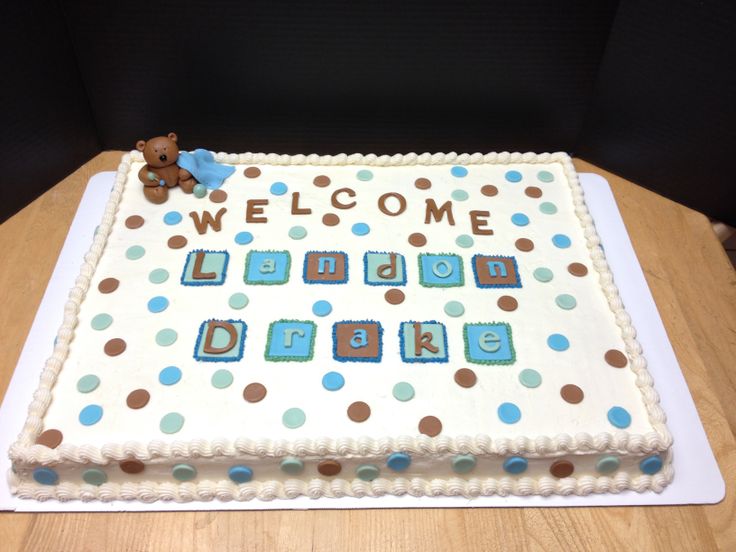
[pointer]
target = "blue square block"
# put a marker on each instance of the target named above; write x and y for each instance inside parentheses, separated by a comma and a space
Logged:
(290, 340)
(384, 269)
(220, 341)
(443, 270)
(423, 342)
(489, 343)
(205, 268)
(267, 267)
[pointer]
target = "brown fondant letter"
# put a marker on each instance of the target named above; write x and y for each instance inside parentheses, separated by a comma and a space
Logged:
(423, 341)
(295, 209)
(436, 213)
(479, 224)
(229, 328)
(388, 270)
(253, 209)
(207, 219)
(337, 204)
(382, 204)
(197, 273)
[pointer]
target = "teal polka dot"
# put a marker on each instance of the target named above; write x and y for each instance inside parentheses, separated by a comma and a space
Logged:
(184, 472)
(243, 238)
(297, 232)
(619, 417)
(238, 301)
(90, 414)
(94, 476)
(171, 422)
(515, 465)
(101, 321)
(332, 381)
(403, 391)
(566, 301)
(530, 378)
(361, 229)
(548, 208)
(545, 176)
(292, 466)
(650, 465)
(88, 383)
(558, 342)
(240, 474)
(45, 476)
(169, 375)
(463, 240)
(367, 472)
(509, 413)
(172, 217)
(459, 195)
(561, 241)
(458, 171)
(513, 176)
(543, 274)
(454, 308)
(166, 337)
(158, 304)
(607, 464)
(364, 175)
(199, 191)
(135, 252)
(158, 276)
(519, 219)
(279, 188)
(222, 379)
(321, 308)
(294, 418)
(463, 463)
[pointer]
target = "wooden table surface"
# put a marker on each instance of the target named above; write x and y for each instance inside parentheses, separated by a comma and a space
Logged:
(693, 285)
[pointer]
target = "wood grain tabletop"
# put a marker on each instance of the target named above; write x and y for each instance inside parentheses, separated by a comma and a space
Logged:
(693, 284)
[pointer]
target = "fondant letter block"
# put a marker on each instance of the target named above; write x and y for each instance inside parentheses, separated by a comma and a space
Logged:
(489, 343)
(205, 268)
(441, 270)
(384, 269)
(423, 342)
(290, 340)
(495, 271)
(220, 341)
(325, 267)
(357, 341)
(267, 267)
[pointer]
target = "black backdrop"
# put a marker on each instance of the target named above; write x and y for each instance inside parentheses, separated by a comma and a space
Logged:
(645, 89)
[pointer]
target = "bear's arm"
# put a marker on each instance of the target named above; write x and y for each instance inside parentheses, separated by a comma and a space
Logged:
(143, 176)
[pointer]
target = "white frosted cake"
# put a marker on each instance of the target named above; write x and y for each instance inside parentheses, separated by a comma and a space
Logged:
(346, 325)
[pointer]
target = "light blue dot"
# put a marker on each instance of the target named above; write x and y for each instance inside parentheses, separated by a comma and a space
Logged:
(361, 229)
(543, 274)
(650, 465)
(292, 466)
(240, 474)
(403, 391)
(530, 378)
(545, 176)
(243, 238)
(399, 461)
(294, 418)
(166, 337)
(364, 175)
(367, 472)
(519, 219)
(45, 476)
(454, 309)
(463, 240)
(158, 276)
(463, 463)
(558, 342)
(238, 301)
(94, 476)
(172, 217)
(513, 176)
(90, 414)
(169, 375)
(279, 188)
(607, 464)
(509, 413)
(101, 321)
(332, 381)
(88, 383)
(222, 379)
(135, 252)
(561, 241)
(158, 304)
(619, 417)
(458, 171)
(171, 423)
(548, 208)
(566, 301)
(459, 195)
(297, 232)
(199, 190)
(515, 465)
(321, 308)
(184, 472)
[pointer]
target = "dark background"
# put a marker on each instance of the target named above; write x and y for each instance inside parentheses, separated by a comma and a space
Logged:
(644, 89)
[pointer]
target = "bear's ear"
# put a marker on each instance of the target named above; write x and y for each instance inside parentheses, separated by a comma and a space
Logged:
(140, 145)
(172, 137)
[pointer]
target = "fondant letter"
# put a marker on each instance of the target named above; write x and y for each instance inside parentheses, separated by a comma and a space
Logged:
(329, 261)
(359, 339)
(197, 273)
(267, 266)
(437, 213)
(201, 223)
(295, 209)
(337, 204)
(492, 265)
(387, 271)
(489, 341)
(229, 328)
(423, 341)
(382, 204)
(478, 223)
(442, 269)
(289, 334)
(254, 208)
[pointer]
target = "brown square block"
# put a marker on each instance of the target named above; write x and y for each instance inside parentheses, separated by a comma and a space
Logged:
(357, 340)
(328, 267)
(495, 271)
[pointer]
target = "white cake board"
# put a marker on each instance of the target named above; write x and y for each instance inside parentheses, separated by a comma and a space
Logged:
(697, 478)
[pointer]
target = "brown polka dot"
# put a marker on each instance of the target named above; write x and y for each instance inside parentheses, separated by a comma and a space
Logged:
(50, 438)
(254, 392)
(533, 191)
(108, 285)
(329, 467)
(359, 411)
(115, 347)
(561, 468)
(465, 377)
(417, 239)
(218, 196)
(507, 303)
(177, 242)
(134, 221)
(252, 172)
(423, 183)
(394, 297)
(330, 219)
(132, 466)
(321, 181)
(138, 399)
(489, 190)
(577, 269)
(429, 425)
(524, 244)
(572, 393)
(616, 358)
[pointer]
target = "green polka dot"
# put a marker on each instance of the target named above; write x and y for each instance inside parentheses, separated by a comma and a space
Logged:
(364, 175)
(88, 383)
(545, 176)
(171, 422)
(166, 337)
(548, 208)
(530, 378)
(292, 466)
(607, 464)
(94, 476)
(463, 240)
(565, 301)
(463, 463)
(158, 276)
(101, 321)
(238, 301)
(454, 308)
(543, 274)
(222, 379)
(293, 418)
(459, 195)
(184, 472)
(135, 252)
(297, 232)
(367, 472)
(403, 391)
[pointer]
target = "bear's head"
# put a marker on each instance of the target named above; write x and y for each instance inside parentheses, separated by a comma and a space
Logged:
(160, 151)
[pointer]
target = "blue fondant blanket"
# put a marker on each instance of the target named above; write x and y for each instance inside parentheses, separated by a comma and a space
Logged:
(204, 168)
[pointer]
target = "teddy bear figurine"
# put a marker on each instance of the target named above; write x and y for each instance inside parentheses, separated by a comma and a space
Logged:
(161, 171)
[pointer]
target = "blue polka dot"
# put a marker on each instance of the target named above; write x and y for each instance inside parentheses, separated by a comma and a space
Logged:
(458, 171)
(558, 342)
(361, 229)
(45, 476)
(332, 381)
(650, 465)
(513, 176)
(364, 175)
(398, 461)
(321, 308)
(240, 474)
(158, 304)
(279, 188)
(619, 417)
(561, 241)
(169, 375)
(519, 219)
(243, 238)
(90, 414)
(172, 217)
(515, 465)
(509, 413)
